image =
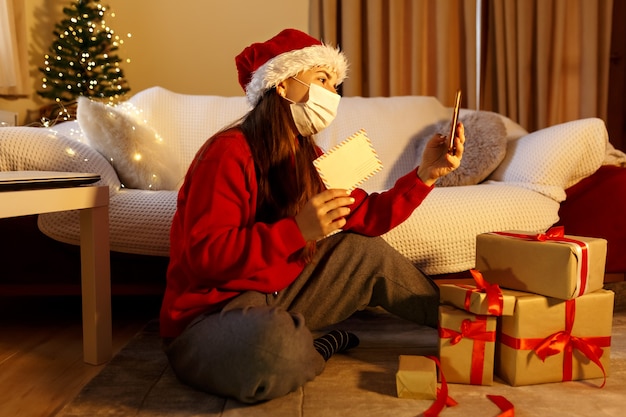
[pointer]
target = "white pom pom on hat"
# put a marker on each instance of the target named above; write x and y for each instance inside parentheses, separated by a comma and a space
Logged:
(263, 65)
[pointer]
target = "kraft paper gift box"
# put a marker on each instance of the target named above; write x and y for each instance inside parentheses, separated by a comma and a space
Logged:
(469, 298)
(416, 377)
(466, 346)
(550, 264)
(483, 298)
(552, 340)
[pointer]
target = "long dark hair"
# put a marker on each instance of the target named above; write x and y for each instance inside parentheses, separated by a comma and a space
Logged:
(284, 168)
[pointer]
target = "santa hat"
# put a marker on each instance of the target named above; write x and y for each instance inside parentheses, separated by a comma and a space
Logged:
(262, 66)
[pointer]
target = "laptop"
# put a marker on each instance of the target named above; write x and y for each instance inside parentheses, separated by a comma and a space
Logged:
(27, 180)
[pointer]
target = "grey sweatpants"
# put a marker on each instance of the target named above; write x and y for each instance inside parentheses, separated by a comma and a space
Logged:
(260, 346)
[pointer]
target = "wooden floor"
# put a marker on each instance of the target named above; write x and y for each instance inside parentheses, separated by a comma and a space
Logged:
(41, 366)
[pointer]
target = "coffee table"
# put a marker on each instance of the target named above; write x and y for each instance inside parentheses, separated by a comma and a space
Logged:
(55, 193)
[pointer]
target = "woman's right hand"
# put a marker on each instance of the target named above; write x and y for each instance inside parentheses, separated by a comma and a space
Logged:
(437, 161)
(324, 213)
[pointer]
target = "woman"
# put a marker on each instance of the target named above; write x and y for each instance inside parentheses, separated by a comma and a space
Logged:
(251, 269)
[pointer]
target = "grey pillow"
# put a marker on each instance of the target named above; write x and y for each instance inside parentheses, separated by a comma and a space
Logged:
(485, 147)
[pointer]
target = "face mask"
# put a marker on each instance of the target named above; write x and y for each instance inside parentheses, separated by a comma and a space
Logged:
(317, 112)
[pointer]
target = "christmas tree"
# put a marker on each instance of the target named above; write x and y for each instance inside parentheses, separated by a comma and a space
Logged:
(82, 60)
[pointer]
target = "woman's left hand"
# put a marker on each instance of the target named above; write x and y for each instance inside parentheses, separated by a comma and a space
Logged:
(437, 161)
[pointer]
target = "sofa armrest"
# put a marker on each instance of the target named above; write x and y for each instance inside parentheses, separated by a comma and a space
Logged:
(40, 149)
(553, 159)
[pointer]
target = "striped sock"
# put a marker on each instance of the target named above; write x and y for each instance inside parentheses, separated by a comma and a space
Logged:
(335, 342)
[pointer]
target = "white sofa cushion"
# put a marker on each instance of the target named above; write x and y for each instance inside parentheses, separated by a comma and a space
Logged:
(140, 222)
(440, 235)
(392, 124)
(195, 119)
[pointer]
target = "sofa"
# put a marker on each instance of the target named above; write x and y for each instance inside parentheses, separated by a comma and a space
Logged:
(509, 179)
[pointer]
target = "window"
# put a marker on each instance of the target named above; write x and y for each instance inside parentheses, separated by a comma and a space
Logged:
(13, 53)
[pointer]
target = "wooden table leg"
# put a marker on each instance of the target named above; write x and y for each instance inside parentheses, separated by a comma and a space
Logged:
(96, 284)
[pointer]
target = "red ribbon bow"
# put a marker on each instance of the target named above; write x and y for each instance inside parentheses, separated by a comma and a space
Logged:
(564, 342)
(552, 233)
(475, 330)
(492, 292)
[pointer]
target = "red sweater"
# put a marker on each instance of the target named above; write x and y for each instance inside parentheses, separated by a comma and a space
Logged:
(218, 250)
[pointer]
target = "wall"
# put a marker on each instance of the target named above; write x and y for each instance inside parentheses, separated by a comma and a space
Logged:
(186, 46)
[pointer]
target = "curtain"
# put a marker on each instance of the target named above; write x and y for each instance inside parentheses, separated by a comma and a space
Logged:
(541, 62)
(13, 48)
(402, 47)
(547, 62)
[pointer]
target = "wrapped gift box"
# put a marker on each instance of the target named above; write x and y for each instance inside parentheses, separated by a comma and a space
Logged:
(552, 340)
(416, 378)
(551, 264)
(466, 346)
(470, 298)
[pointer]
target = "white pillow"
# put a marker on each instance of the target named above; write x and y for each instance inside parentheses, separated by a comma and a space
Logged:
(136, 151)
(191, 119)
(554, 158)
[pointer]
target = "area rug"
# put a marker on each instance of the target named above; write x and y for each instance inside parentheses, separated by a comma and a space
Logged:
(139, 382)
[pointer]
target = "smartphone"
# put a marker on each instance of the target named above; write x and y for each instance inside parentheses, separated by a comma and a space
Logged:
(455, 120)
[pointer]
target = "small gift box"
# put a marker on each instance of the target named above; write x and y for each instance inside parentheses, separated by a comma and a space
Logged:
(551, 264)
(551, 340)
(466, 346)
(416, 378)
(483, 298)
